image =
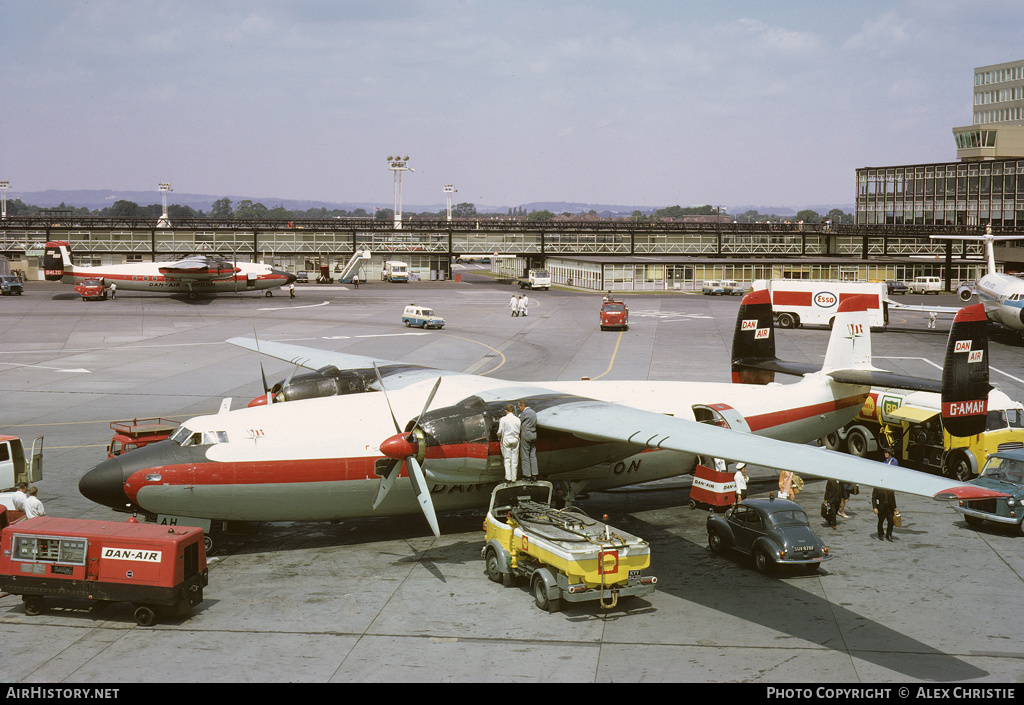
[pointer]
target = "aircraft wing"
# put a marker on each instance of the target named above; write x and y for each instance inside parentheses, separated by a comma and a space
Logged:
(198, 268)
(945, 310)
(398, 374)
(602, 421)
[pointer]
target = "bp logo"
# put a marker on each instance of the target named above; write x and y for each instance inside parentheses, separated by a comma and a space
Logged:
(889, 405)
(825, 299)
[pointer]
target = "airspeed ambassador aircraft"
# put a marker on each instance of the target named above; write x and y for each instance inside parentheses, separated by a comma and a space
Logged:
(337, 457)
(195, 274)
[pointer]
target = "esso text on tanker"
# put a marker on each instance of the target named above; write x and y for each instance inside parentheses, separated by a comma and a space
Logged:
(825, 299)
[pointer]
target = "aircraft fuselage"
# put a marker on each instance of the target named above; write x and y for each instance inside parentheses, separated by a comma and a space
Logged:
(319, 459)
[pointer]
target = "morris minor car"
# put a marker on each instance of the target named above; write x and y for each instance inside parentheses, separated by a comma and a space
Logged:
(1003, 472)
(774, 532)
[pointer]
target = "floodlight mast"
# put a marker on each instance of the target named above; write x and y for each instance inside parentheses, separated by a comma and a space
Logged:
(4, 185)
(448, 191)
(398, 165)
(164, 221)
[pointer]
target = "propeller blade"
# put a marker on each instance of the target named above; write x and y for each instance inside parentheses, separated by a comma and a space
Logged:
(387, 480)
(263, 375)
(430, 398)
(384, 389)
(419, 485)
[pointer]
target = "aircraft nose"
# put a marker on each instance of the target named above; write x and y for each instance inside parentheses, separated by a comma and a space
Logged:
(104, 484)
(289, 277)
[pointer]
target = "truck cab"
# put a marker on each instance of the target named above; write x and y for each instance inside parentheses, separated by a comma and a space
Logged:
(536, 279)
(91, 289)
(136, 433)
(394, 271)
(17, 467)
(614, 314)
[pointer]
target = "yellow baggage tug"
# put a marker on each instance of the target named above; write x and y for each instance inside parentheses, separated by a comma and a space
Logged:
(564, 554)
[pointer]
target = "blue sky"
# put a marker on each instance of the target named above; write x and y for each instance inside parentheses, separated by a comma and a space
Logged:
(632, 103)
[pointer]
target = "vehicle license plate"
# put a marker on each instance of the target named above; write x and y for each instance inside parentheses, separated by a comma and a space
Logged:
(803, 548)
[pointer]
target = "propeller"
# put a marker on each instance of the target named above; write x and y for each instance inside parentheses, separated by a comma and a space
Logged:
(269, 392)
(408, 447)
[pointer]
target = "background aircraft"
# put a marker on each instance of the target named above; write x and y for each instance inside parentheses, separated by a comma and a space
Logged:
(337, 457)
(207, 274)
(1001, 294)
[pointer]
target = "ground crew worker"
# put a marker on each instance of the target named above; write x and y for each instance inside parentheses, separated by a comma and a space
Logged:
(33, 507)
(508, 434)
(19, 497)
(523, 303)
(527, 441)
(113, 290)
(514, 305)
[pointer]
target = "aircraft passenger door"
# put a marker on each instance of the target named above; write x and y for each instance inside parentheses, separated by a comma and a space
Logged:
(720, 415)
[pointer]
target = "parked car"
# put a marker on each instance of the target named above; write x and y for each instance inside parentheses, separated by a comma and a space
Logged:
(1004, 472)
(10, 285)
(896, 287)
(733, 287)
(302, 277)
(774, 532)
(712, 287)
(422, 317)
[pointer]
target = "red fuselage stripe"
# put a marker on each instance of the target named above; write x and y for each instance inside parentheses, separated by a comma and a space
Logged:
(785, 416)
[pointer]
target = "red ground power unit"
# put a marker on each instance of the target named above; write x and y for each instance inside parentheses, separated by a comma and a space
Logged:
(712, 488)
(161, 570)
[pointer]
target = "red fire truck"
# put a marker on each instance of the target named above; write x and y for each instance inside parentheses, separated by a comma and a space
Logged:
(159, 569)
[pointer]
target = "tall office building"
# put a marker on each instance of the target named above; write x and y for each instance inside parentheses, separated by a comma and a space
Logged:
(985, 186)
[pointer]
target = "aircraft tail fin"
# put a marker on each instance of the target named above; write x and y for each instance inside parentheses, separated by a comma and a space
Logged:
(849, 347)
(753, 343)
(965, 373)
(57, 261)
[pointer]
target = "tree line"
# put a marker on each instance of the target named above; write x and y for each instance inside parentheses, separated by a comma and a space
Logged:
(246, 209)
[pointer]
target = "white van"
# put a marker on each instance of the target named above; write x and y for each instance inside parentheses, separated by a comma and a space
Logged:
(394, 271)
(926, 285)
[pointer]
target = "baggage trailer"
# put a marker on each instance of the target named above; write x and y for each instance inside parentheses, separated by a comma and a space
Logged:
(712, 488)
(563, 553)
(160, 570)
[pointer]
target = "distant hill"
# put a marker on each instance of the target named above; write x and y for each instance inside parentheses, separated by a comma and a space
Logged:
(98, 199)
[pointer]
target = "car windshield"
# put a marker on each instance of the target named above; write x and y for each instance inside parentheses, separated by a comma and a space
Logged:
(1004, 469)
(614, 308)
(1015, 417)
(426, 312)
(788, 516)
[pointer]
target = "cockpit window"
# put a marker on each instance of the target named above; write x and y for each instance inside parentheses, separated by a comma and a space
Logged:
(186, 437)
(180, 435)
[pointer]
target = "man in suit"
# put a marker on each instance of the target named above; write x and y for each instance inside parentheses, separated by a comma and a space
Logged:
(884, 503)
(527, 441)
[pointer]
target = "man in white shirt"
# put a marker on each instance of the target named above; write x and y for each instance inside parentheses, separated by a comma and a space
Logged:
(514, 305)
(508, 433)
(524, 302)
(33, 507)
(18, 499)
